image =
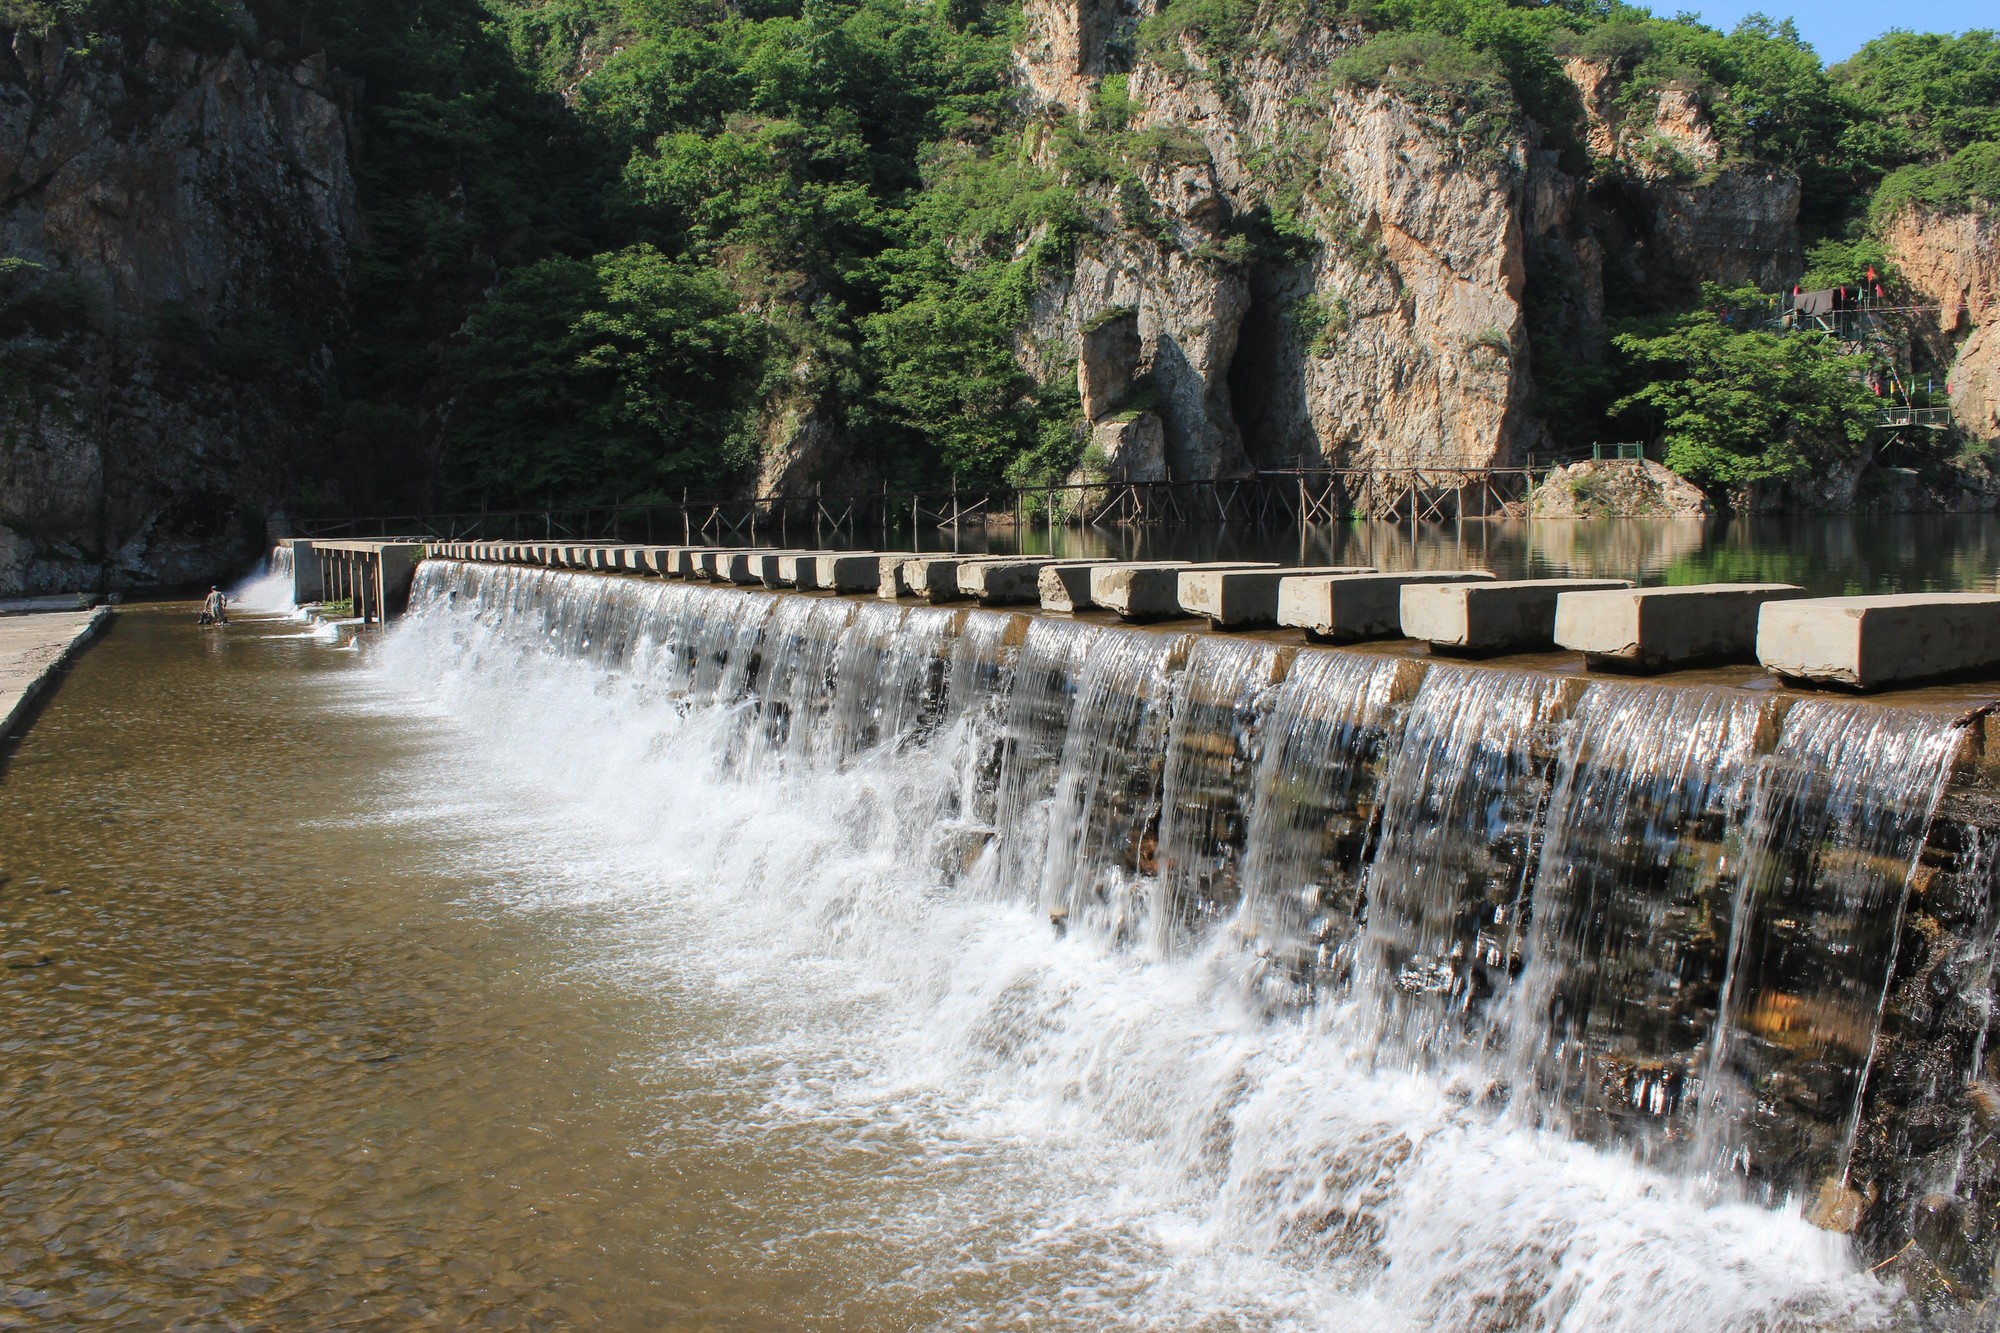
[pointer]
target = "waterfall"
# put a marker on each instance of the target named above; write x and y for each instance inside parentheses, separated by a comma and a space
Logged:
(1343, 955)
(1629, 946)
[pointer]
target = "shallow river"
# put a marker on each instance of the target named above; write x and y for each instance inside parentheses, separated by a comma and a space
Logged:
(446, 984)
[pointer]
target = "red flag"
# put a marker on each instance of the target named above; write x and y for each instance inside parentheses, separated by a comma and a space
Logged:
(1878, 291)
(1871, 273)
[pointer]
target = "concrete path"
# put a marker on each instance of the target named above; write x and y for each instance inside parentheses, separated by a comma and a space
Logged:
(32, 649)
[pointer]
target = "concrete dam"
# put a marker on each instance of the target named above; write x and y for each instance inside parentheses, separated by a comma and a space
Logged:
(1728, 943)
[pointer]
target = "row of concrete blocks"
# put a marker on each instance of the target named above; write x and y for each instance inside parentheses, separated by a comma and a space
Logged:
(1858, 642)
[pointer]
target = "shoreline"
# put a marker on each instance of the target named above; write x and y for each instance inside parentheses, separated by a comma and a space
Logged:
(34, 649)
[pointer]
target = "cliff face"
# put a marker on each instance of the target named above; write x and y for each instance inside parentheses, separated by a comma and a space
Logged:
(178, 226)
(1953, 259)
(1399, 336)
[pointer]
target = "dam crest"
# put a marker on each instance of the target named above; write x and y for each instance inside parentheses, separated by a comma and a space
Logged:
(1740, 937)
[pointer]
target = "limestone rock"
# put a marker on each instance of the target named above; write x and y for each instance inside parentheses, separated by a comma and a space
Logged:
(1953, 260)
(1126, 449)
(1626, 488)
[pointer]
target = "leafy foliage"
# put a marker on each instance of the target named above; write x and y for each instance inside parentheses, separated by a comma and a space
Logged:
(610, 242)
(1735, 406)
(1969, 179)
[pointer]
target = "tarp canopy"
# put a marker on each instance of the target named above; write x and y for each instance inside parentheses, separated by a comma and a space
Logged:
(1822, 302)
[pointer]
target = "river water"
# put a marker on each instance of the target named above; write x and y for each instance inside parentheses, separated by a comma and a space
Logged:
(452, 981)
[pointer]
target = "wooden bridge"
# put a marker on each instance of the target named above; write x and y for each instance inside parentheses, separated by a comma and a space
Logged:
(1301, 495)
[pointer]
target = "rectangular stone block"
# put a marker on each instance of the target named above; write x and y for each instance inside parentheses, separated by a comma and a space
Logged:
(656, 559)
(1065, 586)
(1866, 643)
(687, 561)
(890, 581)
(1149, 591)
(800, 571)
(1007, 582)
(773, 572)
(1510, 615)
(855, 571)
(1651, 629)
(742, 566)
(934, 578)
(1351, 608)
(1243, 598)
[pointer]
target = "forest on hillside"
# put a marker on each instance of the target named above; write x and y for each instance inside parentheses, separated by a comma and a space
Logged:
(609, 242)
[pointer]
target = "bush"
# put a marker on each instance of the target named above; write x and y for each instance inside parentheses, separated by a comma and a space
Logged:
(1736, 407)
(1969, 180)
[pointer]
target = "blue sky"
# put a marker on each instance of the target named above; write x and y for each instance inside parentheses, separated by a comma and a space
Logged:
(1837, 28)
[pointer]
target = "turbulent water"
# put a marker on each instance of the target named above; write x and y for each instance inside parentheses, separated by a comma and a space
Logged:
(1209, 982)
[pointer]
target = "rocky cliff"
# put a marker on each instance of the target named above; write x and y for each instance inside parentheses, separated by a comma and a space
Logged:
(1400, 334)
(1953, 260)
(177, 226)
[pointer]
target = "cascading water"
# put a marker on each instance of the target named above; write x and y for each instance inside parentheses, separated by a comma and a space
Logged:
(1840, 813)
(1629, 945)
(1447, 889)
(1596, 901)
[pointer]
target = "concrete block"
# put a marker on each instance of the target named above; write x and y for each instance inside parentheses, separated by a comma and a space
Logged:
(656, 559)
(800, 571)
(1510, 615)
(889, 580)
(1868, 642)
(1065, 585)
(934, 578)
(686, 563)
(855, 571)
(1650, 629)
(712, 563)
(772, 571)
(1149, 591)
(1350, 608)
(741, 567)
(1243, 598)
(1007, 582)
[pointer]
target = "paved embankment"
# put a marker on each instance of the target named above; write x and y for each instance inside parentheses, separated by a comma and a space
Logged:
(33, 648)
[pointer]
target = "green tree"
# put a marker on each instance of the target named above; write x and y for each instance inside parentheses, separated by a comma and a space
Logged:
(630, 371)
(1735, 406)
(1923, 96)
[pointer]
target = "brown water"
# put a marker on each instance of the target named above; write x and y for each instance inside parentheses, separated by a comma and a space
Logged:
(274, 1057)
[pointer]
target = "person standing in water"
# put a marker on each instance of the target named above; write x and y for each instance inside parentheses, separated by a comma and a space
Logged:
(215, 608)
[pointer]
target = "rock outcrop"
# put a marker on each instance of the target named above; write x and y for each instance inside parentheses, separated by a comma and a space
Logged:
(1636, 488)
(178, 227)
(1398, 336)
(1953, 261)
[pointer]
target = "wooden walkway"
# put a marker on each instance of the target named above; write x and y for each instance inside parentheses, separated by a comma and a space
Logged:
(1309, 495)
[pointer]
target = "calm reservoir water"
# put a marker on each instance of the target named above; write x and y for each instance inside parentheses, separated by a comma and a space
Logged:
(451, 983)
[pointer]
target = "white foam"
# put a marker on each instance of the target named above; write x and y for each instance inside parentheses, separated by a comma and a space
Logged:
(1085, 1136)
